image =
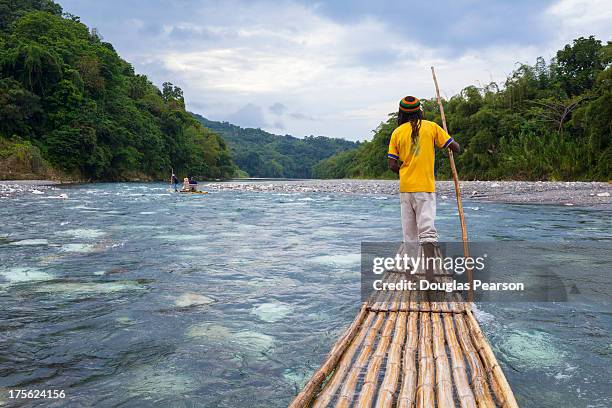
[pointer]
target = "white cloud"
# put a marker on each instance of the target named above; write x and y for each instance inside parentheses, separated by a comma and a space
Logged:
(346, 75)
(582, 18)
(250, 115)
(277, 108)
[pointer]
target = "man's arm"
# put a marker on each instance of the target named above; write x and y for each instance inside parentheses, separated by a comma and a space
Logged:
(394, 165)
(445, 141)
(454, 146)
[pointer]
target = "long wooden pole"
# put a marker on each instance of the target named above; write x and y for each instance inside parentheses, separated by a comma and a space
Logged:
(464, 236)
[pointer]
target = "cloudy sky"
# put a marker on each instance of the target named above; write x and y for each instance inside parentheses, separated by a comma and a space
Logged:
(331, 68)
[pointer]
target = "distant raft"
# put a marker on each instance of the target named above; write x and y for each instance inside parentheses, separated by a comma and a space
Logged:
(410, 351)
(193, 192)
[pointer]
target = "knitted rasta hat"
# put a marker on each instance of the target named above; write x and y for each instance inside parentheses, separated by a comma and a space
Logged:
(410, 104)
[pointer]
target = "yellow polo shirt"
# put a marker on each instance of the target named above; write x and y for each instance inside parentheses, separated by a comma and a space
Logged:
(417, 171)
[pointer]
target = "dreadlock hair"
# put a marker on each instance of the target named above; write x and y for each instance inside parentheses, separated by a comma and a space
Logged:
(414, 118)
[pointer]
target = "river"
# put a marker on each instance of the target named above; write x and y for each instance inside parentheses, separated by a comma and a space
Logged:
(126, 294)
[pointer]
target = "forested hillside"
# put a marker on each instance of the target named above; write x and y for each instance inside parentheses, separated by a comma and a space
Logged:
(548, 121)
(68, 102)
(262, 154)
(71, 107)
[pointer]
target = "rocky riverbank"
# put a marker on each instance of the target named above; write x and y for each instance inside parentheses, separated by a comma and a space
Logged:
(580, 194)
(10, 188)
(589, 194)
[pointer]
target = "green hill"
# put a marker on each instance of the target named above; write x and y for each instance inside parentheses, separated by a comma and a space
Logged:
(549, 121)
(69, 103)
(263, 154)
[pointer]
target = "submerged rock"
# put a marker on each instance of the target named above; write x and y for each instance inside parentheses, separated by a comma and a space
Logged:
(248, 341)
(212, 332)
(271, 312)
(253, 341)
(33, 242)
(84, 233)
(88, 288)
(78, 248)
(192, 299)
(126, 321)
(296, 379)
(21, 275)
(158, 381)
(347, 260)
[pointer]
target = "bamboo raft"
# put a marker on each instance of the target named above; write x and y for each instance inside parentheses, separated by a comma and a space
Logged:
(410, 349)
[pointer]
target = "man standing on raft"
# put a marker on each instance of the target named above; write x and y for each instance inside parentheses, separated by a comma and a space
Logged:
(413, 143)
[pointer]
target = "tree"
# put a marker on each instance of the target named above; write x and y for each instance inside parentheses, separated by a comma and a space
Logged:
(548, 122)
(173, 95)
(579, 63)
(70, 94)
(19, 109)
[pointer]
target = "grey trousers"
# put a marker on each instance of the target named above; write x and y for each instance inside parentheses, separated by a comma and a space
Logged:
(418, 216)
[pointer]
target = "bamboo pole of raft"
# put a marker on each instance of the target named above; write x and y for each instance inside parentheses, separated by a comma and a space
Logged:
(425, 396)
(406, 396)
(503, 391)
(325, 397)
(348, 389)
(370, 381)
(397, 298)
(392, 304)
(404, 301)
(444, 381)
(380, 297)
(384, 305)
(462, 385)
(414, 302)
(394, 364)
(386, 298)
(478, 374)
(314, 384)
(451, 159)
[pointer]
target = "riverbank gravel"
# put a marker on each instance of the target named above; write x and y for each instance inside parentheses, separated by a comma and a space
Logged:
(573, 193)
(590, 194)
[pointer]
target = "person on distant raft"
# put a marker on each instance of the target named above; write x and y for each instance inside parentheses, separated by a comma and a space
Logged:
(193, 184)
(412, 143)
(185, 184)
(174, 182)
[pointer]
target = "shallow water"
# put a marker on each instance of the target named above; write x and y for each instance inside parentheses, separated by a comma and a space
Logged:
(125, 294)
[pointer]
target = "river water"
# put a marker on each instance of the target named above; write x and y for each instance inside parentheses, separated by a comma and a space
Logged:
(129, 295)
